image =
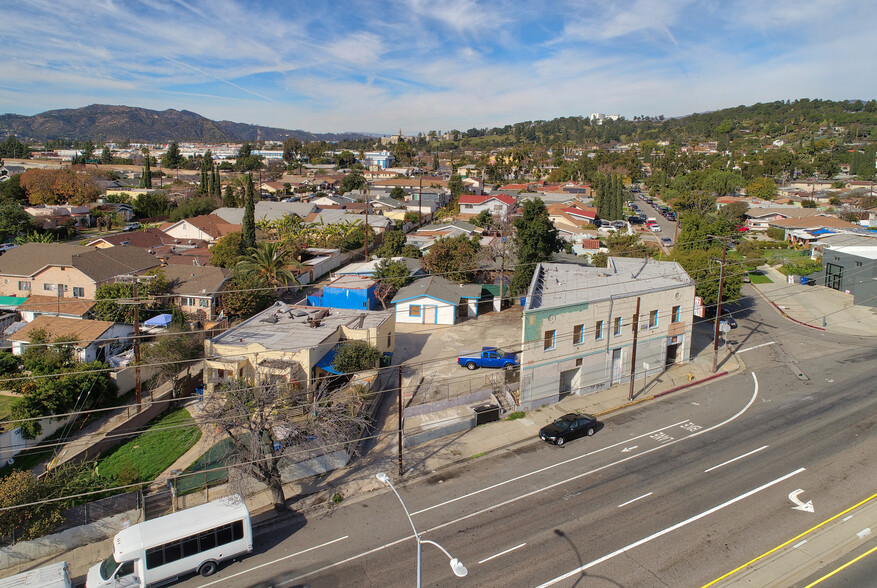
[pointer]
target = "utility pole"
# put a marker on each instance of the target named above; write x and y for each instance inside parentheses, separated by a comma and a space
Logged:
(401, 469)
(420, 202)
(633, 350)
(134, 280)
(719, 304)
(366, 224)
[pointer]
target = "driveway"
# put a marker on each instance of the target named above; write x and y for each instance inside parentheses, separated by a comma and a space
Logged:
(429, 354)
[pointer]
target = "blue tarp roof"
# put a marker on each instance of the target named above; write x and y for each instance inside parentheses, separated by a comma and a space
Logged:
(161, 320)
(818, 232)
(327, 361)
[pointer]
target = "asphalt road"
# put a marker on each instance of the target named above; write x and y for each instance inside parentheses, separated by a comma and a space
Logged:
(670, 493)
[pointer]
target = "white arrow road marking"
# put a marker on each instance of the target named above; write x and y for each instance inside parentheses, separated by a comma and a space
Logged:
(626, 449)
(803, 506)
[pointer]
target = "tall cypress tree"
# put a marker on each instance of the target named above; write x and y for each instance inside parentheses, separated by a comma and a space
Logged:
(146, 178)
(217, 182)
(248, 225)
(230, 199)
(211, 179)
(619, 197)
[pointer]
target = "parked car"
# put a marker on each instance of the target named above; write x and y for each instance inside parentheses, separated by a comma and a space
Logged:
(666, 241)
(655, 228)
(671, 216)
(729, 318)
(6, 247)
(131, 227)
(568, 427)
(636, 220)
(489, 357)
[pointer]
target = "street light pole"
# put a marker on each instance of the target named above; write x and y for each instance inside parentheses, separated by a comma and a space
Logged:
(456, 565)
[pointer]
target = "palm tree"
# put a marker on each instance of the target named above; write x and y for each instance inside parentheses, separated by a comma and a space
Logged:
(269, 261)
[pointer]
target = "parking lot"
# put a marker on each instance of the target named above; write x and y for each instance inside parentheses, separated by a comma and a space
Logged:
(429, 354)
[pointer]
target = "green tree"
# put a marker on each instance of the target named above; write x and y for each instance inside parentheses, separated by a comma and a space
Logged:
(394, 242)
(391, 276)
(248, 225)
(626, 245)
(809, 204)
(13, 220)
(354, 181)
(106, 156)
(355, 356)
(146, 176)
(12, 191)
(696, 230)
(455, 185)
(226, 251)
(536, 240)
(12, 148)
(172, 158)
(247, 295)
(291, 147)
(453, 258)
(398, 193)
(722, 183)
(704, 267)
(269, 261)
(483, 219)
(193, 207)
(151, 205)
(762, 188)
(735, 212)
(206, 166)
(230, 198)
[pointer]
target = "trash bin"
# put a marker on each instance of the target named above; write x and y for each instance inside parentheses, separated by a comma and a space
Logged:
(486, 413)
(805, 280)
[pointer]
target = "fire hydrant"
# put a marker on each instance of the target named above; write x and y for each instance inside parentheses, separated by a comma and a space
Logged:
(690, 376)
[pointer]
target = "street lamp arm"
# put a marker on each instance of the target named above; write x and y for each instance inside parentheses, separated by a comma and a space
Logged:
(456, 565)
(405, 508)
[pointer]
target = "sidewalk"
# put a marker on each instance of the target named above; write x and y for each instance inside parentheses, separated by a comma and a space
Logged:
(818, 306)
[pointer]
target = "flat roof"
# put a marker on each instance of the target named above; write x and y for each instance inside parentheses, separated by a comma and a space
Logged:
(559, 284)
(351, 282)
(285, 327)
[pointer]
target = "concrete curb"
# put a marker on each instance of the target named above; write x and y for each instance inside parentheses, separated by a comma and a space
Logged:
(690, 384)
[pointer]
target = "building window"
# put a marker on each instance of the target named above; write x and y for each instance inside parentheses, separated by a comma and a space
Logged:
(50, 287)
(24, 286)
(598, 331)
(204, 303)
(676, 314)
(578, 334)
(579, 362)
(653, 319)
(616, 329)
(549, 339)
(858, 264)
(78, 292)
(414, 310)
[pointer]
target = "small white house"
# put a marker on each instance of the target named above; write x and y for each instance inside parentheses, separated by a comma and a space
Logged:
(498, 205)
(89, 338)
(436, 301)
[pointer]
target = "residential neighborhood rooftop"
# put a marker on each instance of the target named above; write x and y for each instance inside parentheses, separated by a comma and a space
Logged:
(287, 327)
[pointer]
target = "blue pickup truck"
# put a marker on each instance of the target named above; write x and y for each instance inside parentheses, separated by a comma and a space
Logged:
(489, 357)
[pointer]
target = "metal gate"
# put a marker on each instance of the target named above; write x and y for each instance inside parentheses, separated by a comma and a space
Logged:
(157, 504)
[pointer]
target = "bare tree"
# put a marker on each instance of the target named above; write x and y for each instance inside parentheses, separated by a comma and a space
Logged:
(498, 256)
(274, 425)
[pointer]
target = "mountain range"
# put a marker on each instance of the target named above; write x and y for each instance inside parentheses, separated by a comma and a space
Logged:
(103, 123)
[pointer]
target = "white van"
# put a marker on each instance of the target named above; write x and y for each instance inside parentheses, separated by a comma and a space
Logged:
(193, 540)
(56, 575)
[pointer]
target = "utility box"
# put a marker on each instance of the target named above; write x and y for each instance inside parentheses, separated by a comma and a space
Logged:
(487, 413)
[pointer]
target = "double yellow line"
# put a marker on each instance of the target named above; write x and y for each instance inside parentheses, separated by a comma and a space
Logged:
(794, 539)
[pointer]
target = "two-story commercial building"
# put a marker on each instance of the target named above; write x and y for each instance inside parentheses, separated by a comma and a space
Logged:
(578, 325)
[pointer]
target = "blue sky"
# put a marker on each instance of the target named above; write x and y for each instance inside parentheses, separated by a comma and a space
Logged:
(423, 65)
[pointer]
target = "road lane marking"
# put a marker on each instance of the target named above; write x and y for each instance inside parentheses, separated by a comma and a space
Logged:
(792, 540)
(540, 470)
(715, 467)
(635, 499)
(670, 529)
(756, 347)
(799, 544)
(501, 553)
(846, 518)
(534, 492)
(846, 565)
(864, 533)
(278, 560)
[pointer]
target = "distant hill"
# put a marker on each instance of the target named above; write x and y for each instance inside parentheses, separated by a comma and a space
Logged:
(102, 122)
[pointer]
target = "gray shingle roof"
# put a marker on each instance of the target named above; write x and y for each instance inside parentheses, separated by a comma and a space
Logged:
(266, 210)
(190, 280)
(439, 288)
(98, 264)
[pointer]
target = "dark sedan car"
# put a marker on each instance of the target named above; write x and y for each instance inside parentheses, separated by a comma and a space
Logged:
(568, 427)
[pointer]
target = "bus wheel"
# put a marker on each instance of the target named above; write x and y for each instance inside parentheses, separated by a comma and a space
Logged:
(208, 568)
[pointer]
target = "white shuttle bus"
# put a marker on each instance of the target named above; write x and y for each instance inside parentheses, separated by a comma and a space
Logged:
(193, 540)
(56, 575)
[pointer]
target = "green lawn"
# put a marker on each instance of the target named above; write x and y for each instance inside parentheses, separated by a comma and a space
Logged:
(143, 458)
(759, 278)
(5, 405)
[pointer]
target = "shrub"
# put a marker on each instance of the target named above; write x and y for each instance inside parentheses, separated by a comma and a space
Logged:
(802, 268)
(355, 356)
